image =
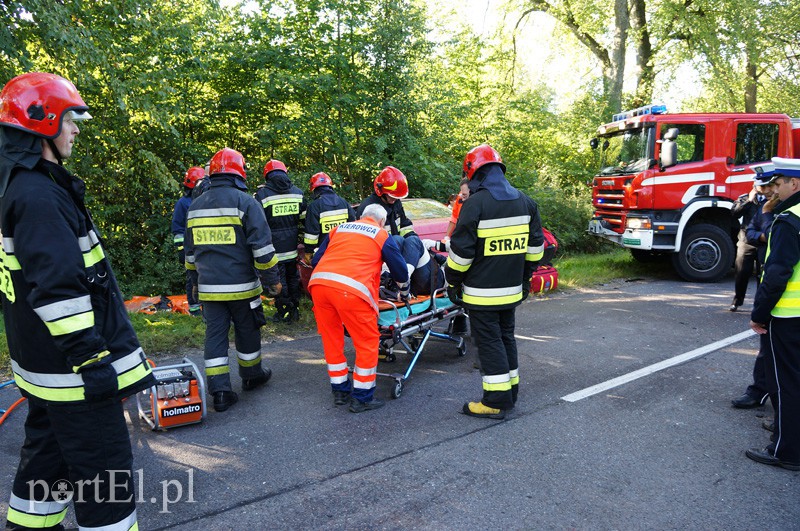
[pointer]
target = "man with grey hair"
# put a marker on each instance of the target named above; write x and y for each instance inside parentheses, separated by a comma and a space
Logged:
(344, 288)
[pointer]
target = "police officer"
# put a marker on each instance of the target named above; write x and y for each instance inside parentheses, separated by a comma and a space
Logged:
(325, 212)
(285, 209)
(227, 242)
(344, 288)
(193, 175)
(390, 186)
(776, 311)
(494, 250)
(74, 353)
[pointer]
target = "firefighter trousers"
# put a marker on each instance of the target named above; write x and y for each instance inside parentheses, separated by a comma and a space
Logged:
(493, 332)
(65, 457)
(335, 309)
(247, 317)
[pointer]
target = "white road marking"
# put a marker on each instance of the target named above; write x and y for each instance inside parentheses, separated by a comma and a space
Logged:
(681, 358)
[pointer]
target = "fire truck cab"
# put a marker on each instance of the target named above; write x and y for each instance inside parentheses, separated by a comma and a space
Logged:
(667, 182)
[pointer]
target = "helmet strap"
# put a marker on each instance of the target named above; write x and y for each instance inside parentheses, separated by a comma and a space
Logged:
(54, 149)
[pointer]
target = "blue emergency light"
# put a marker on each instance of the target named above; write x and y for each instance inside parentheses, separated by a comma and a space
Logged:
(641, 111)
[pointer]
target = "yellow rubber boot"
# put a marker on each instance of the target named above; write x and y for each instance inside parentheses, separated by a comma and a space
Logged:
(478, 409)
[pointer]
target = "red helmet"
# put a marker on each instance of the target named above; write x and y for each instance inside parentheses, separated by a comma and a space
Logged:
(274, 165)
(320, 179)
(391, 182)
(228, 160)
(479, 156)
(37, 103)
(193, 174)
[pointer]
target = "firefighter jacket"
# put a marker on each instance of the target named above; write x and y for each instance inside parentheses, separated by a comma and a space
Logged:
(179, 219)
(325, 212)
(285, 209)
(352, 257)
(397, 224)
(62, 307)
(496, 244)
(778, 294)
(229, 243)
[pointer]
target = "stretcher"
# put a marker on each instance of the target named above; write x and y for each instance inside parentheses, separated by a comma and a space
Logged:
(409, 326)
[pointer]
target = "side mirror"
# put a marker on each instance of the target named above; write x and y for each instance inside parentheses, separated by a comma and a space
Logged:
(669, 149)
(593, 143)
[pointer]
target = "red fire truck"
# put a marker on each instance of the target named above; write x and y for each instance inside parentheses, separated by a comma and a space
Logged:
(667, 182)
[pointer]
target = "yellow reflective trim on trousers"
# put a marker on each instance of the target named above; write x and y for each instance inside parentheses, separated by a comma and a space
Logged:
(221, 220)
(534, 257)
(34, 521)
(82, 321)
(514, 380)
(249, 363)
(216, 371)
(406, 230)
(492, 301)
(455, 266)
(94, 256)
(268, 264)
(53, 394)
(189, 266)
(502, 386)
(511, 230)
(230, 296)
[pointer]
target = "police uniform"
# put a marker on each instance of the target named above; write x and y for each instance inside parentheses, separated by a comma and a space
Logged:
(325, 212)
(777, 304)
(65, 322)
(344, 288)
(285, 208)
(494, 249)
(397, 223)
(227, 242)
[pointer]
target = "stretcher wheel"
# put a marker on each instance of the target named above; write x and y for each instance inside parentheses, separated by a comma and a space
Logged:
(390, 357)
(413, 342)
(462, 348)
(397, 390)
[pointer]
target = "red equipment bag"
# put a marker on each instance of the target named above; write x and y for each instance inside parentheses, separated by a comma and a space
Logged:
(545, 278)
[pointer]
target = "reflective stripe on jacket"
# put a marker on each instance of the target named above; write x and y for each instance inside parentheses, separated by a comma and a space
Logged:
(62, 307)
(789, 303)
(227, 240)
(494, 247)
(324, 213)
(351, 260)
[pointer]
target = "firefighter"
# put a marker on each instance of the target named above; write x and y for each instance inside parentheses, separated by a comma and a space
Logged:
(285, 209)
(776, 311)
(390, 187)
(228, 241)
(494, 250)
(74, 353)
(326, 211)
(193, 175)
(344, 288)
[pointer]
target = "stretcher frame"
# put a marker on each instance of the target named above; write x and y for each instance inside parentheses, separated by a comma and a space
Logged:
(413, 333)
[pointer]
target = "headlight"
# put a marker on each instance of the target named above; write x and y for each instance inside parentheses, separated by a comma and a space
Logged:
(638, 223)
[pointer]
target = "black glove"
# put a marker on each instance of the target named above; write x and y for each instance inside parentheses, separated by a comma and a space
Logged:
(99, 381)
(454, 294)
(526, 289)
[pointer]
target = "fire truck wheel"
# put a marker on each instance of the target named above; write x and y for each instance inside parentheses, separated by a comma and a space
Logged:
(706, 254)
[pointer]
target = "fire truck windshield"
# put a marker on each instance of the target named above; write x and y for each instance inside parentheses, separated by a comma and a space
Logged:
(627, 151)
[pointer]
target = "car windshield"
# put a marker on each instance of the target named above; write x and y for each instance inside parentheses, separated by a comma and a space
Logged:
(626, 152)
(425, 209)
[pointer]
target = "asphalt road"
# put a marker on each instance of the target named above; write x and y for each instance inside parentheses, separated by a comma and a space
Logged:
(664, 451)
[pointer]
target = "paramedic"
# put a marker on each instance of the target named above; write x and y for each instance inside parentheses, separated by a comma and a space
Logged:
(74, 353)
(325, 211)
(227, 242)
(494, 250)
(285, 208)
(390, 187)
(193, 175)
(776, 312)
(344, 288)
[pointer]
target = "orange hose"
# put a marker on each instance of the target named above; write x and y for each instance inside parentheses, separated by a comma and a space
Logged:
(9, 410)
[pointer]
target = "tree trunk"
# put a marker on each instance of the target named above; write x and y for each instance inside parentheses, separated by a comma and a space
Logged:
(645, 73)
(751, 87)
